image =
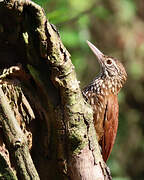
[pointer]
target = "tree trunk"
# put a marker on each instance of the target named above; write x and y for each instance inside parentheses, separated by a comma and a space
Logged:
(46, 127)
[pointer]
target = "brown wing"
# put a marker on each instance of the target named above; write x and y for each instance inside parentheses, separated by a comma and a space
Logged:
(110, 126)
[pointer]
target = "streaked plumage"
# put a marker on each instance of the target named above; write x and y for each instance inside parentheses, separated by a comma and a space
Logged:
(101, 94)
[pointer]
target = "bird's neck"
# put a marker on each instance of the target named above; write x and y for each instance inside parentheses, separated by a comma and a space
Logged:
(107, 85)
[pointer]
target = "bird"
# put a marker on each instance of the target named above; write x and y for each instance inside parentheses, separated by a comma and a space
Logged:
(102, 95)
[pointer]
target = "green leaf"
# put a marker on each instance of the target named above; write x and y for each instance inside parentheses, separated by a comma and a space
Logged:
(58, 16)
(101, 12)
(70, 37)
(80, 6)
(41, 2)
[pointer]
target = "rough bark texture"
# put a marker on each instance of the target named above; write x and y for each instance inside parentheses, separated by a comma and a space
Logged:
(46, 127)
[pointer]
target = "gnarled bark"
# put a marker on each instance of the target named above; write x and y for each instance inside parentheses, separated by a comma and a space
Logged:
(46, 126)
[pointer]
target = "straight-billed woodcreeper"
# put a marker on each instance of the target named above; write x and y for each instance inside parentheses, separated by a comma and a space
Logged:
(102, 94)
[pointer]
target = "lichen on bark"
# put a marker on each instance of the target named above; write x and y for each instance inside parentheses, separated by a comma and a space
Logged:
(54, 134)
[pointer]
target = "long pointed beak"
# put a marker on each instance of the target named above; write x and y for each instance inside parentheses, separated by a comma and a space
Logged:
(97, 52)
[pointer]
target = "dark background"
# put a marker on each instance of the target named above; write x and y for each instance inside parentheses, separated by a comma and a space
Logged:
(116, 27)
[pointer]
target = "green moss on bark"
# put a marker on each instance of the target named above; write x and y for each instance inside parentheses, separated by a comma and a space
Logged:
(5, 171)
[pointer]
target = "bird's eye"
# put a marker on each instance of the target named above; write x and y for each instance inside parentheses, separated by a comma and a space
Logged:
(109, 62)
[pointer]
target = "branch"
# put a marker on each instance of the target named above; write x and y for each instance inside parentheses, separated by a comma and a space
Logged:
(16, 140)
(82, 147)
(72, 144)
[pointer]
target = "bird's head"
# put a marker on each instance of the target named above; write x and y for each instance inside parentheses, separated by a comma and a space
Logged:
(111, 68)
